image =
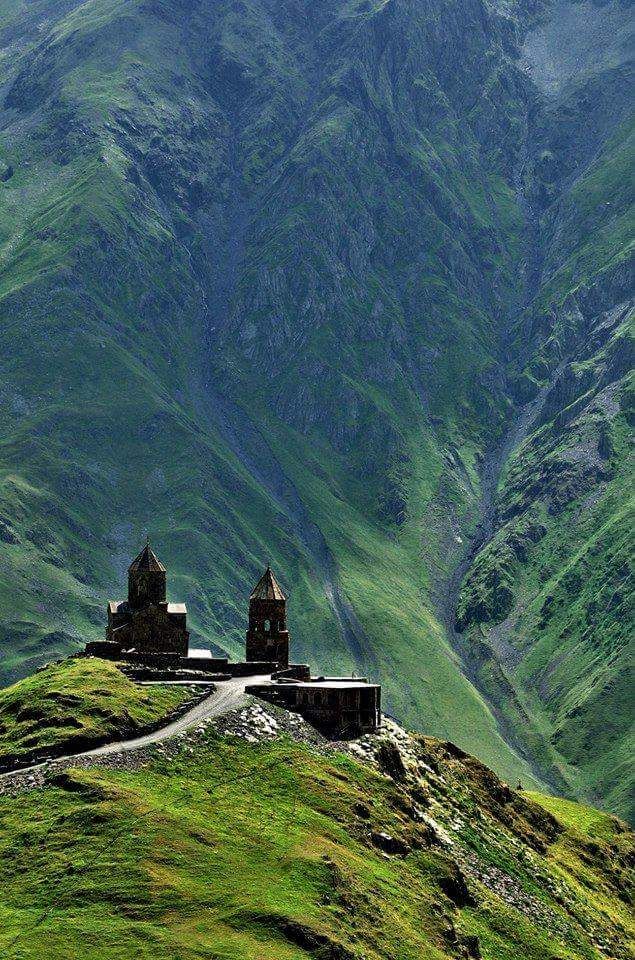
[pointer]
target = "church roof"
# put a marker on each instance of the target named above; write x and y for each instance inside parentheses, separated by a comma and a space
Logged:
(267, 588)
(146, 560)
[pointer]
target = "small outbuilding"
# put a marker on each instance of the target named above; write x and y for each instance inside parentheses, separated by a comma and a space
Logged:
(339, 706)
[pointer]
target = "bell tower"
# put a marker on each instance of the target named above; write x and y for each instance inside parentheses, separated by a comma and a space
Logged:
(267, 636)
(146, 580)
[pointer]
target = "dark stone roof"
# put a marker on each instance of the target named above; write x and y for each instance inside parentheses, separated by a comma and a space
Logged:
(146, 560)
(267, 588)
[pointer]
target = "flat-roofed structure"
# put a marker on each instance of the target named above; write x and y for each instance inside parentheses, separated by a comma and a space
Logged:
(339, 706)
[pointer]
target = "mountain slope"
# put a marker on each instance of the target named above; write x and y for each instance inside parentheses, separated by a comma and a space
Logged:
(550, 592)
(279, 280)
(252, 837)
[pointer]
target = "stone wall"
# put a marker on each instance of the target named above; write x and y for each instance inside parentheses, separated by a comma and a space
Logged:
(339, 709)
(108, 650)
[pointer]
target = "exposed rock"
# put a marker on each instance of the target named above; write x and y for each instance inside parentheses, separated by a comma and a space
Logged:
(389, 844)
(308, 939)
(390, 760)
(455, 887)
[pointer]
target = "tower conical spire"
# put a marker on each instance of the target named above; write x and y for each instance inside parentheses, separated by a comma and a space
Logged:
(147, 560)
(146, 580)
(267, 588)
(267, 636)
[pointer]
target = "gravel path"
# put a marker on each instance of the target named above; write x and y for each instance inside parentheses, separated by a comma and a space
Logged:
(228, 695)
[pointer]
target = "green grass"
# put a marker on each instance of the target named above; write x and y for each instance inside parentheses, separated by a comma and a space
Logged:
(259, 852)
(213, 859)
(581, 820)
(76, 703)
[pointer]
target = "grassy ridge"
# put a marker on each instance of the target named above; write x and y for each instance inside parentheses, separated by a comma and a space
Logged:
(264, 851)
(69, 706)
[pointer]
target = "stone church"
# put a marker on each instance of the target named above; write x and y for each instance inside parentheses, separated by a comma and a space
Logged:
(146, 622)
(148, 632)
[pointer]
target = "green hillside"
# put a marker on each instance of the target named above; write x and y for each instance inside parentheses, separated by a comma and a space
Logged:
(288, 847)
(308, 284)
(77, 704)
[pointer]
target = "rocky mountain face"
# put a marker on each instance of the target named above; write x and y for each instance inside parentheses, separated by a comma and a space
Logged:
(344, 287)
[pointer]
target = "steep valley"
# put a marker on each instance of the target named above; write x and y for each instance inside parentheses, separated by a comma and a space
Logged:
(343, 286)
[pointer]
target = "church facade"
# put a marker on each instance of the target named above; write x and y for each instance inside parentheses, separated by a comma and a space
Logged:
(146, 622)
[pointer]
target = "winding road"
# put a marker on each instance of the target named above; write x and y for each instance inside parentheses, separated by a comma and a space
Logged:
(227, 696)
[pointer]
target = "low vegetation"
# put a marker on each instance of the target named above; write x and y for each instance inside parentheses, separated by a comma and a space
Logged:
(75, 704)
(275, 851)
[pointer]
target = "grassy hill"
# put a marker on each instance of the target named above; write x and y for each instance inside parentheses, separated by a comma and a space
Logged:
(278, 283)
(73, 705)
(255, 839)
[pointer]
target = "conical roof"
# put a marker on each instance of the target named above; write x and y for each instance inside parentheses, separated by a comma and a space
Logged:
(267, 588)
(146, 560)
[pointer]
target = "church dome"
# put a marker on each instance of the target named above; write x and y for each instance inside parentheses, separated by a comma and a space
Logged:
(146, 560)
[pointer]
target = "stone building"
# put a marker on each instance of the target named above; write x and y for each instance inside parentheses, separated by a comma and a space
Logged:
(146, 622)
(267, 635)
(150, 636)
(339, 706)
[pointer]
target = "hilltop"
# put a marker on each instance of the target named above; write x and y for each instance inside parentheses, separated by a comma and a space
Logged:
(76, 704)
(251, 836)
